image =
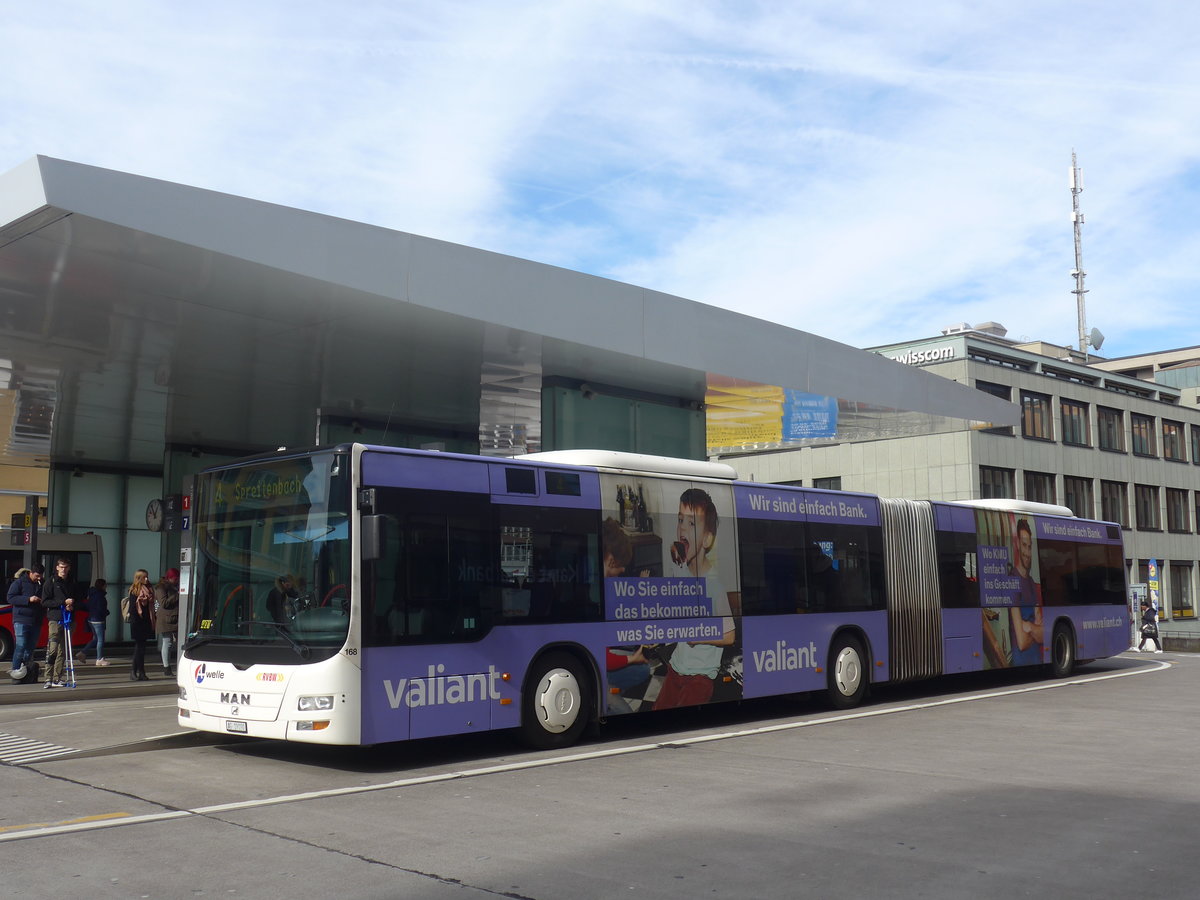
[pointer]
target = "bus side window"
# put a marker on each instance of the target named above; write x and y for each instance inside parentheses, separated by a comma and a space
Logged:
(435, 578)
(550, 559)
(772, 566)
(845, 566)
(957, 562)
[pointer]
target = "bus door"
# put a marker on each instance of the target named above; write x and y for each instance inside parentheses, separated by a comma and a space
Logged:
(958, 577)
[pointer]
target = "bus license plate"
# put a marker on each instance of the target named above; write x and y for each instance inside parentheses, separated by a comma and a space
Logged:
(235, 727)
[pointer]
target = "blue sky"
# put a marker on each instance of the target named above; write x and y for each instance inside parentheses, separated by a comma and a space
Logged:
(868, 172)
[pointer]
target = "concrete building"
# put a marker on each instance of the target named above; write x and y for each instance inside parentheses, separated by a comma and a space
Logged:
(1098, 437)
(148, 329)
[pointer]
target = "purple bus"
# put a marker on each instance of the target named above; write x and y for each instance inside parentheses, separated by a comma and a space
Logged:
(361, 595)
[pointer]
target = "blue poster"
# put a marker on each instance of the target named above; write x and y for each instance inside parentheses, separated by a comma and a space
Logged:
(808, 416)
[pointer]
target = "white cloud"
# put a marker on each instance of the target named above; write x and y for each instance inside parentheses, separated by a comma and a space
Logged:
(865, 171)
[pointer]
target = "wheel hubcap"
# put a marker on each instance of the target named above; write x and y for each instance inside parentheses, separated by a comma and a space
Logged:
(557, 700)
(847, 671)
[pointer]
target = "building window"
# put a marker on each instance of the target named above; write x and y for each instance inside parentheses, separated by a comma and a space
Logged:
(1075, 428)
(1145, 500)
(829, 484)
(1036, 418)
(1173, 441)
(1114, 505)
(1142, 428)
(1077, 495)
(1178, 518)
(1039, 487)
(1111, 425)
(1004, 392)
(1196, 445)
(1182, 606)
(995, 482)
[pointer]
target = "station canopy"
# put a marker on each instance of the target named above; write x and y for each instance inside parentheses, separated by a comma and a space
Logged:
(140, 315)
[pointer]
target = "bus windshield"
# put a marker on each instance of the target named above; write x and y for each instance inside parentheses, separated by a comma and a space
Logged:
(272, 571)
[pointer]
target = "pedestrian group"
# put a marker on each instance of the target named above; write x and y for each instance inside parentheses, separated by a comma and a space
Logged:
(151, 611)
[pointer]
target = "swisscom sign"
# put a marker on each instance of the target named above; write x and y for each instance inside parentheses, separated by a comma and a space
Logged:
(924, 356)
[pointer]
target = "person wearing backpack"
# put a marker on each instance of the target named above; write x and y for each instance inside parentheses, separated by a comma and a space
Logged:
(97, 608)
(25, 595)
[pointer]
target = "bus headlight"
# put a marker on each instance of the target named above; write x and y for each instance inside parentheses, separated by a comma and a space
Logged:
(312, 704)
(182, 692)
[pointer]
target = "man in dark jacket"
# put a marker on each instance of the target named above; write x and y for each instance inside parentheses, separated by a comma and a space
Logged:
(58, 595)
(25, 595)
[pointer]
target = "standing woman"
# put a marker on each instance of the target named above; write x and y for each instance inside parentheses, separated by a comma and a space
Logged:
(141, 622)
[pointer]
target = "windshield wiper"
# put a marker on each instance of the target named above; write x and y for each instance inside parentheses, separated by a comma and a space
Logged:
(199, 640)
(302, 650)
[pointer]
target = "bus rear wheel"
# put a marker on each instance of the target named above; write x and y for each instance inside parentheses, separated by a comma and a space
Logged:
(556, 704)
(1062, 649)
(847, 674)
(6, 644)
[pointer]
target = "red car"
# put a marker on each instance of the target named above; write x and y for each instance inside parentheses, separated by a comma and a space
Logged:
(80, 633)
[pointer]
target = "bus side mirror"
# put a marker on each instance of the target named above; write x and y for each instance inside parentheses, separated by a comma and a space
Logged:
(374, 537)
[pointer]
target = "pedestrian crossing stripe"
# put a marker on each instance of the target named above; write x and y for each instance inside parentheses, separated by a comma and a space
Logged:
(19, 751)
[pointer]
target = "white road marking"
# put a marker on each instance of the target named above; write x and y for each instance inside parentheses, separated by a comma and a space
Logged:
(35, 831)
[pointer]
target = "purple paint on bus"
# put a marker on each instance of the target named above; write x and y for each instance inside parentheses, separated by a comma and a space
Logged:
(754, 502)
(425, 471)
(962, 640)
(948, 517)
(1071, 530)
(588, 483)
(786, 654)
(420, 691)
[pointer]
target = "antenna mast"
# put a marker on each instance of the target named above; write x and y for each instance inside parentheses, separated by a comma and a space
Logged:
(1077, 273)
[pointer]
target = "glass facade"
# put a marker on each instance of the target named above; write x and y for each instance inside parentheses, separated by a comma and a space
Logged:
(1036, 418)
(575, 419)
(996, 482)
(1114, 504)
(1039, 487)
(1172, 436)
(1142, 429)
(1077, 495)
(1111, 425)
(112, 506)
(1075, 428)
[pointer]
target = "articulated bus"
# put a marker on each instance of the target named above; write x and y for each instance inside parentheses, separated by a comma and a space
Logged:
(361, 595)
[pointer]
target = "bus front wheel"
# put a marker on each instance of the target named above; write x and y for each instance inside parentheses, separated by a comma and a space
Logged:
(1063, 650)
(555, 707)
(6, 644)
(847, 674)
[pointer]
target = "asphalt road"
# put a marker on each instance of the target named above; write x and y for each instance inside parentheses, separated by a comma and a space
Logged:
(973, 787)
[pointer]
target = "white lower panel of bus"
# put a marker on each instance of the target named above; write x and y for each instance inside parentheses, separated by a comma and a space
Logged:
(222, 691)
(265, 701)
(250, 705)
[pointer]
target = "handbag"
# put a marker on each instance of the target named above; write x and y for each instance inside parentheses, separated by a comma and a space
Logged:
(1149, 630)
(127, 608)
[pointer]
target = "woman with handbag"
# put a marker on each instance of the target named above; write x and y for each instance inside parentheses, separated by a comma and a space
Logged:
(1149, 627)
(141, 618)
